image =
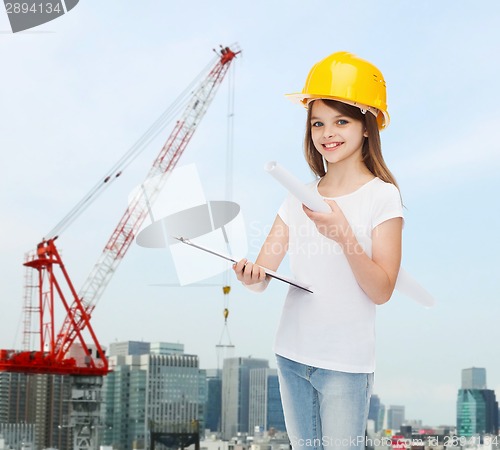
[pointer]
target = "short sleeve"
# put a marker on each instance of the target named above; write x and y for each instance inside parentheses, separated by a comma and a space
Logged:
(387, 204)
(284, 210)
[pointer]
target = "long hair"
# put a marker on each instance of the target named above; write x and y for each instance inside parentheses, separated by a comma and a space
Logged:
(371, 151)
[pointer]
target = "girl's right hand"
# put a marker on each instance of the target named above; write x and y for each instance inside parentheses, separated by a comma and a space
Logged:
(249, 273)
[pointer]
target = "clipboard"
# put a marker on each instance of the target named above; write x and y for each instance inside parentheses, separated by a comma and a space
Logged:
(269, 272)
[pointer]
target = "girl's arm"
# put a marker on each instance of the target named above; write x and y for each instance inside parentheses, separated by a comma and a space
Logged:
(376, 275)
(270, 256)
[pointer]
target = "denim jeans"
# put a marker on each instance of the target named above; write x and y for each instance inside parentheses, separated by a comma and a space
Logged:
(324, 409)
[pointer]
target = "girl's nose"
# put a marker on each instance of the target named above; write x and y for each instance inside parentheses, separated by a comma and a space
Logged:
(328, 132)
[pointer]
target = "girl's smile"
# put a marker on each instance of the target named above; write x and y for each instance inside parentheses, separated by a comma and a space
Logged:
(332, 146)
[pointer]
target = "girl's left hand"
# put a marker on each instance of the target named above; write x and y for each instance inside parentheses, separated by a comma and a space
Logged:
(332, 225)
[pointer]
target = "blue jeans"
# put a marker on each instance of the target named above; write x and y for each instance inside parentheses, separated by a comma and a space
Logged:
(324, 409)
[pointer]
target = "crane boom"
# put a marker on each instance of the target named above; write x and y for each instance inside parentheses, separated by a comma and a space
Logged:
(134, 216)
(80, 308)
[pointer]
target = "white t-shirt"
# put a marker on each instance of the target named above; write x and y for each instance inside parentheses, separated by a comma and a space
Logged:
(333, 328)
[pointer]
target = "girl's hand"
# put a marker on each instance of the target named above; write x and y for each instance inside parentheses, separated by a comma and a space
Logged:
(249, 273)
(332, 225)
(377, 274)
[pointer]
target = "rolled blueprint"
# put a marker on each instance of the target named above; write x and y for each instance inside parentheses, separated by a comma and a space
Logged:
(302, 192)
(405, 284)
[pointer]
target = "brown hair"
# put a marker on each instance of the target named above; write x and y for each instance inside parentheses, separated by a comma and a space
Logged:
(371, 151)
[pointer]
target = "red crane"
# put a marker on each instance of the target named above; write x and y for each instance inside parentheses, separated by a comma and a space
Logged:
(54, 353)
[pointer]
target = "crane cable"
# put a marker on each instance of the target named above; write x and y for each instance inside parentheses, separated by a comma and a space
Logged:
(226, 288)
(133, 152)
(230, 146)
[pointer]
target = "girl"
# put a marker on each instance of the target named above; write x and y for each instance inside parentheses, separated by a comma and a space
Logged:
(350, 257)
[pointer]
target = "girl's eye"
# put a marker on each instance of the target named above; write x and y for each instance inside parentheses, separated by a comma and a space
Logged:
(342, 122)
(317, 124)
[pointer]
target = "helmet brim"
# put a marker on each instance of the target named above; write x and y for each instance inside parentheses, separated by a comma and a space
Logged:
(382, 117)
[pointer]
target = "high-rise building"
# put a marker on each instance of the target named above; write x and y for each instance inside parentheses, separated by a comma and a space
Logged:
(395, 417)
(161, 390)
(477, 412)
(491, 409)
(14, 393)
(17, 436)
(213, 406)
(477, 408)
(275, 415)
(376, 412)
(265, 408)
(471, 412)
(236, 394)
(382, 417)
(128, 348)
(39, 400)
(474, 378)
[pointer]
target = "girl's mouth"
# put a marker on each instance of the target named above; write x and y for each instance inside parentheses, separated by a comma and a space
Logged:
(332, 145)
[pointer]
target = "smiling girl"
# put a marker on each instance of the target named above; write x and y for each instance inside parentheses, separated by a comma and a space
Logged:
(325, 344)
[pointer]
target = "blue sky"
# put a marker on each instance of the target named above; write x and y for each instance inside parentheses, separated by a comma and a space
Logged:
(77, 92)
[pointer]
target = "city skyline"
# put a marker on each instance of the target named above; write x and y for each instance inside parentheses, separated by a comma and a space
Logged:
(158, 383)
(392, 415)
(80, 90)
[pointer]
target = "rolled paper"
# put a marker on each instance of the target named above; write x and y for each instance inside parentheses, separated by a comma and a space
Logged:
(309, 197)
(405, 283)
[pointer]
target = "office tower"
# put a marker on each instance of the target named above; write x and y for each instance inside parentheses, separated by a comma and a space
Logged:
(376, 412)
(395, 417)
(474, 378)
(128, 348)
(471, 412)
(14, 394)
(265, 408)
(162, 390)
(491, 409)
(17, 436)
(235, 394)
(477, 407)
(38, 404)
(275, 415)
(477, 412)
(382, 417)
(213, 406)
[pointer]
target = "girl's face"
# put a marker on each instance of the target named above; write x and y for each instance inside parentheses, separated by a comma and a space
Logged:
(337, 137)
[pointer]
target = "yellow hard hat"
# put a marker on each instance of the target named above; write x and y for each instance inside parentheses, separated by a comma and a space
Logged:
(344, 77)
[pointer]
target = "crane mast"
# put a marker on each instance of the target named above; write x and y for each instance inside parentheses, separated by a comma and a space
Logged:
(54, 348)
